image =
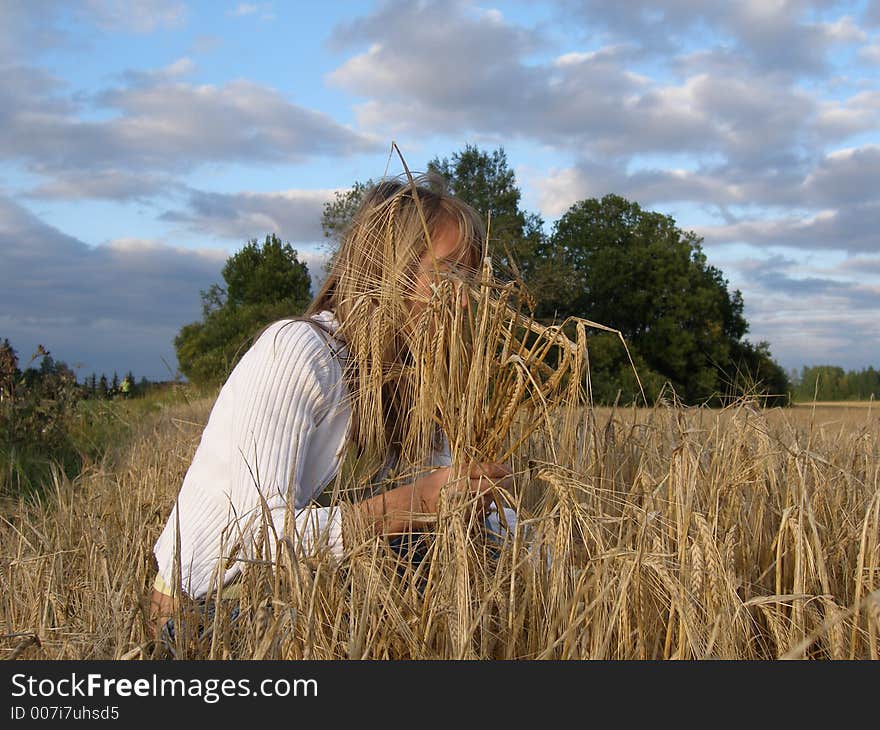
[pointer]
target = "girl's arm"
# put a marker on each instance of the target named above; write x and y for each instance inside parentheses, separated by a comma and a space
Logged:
(405, 507)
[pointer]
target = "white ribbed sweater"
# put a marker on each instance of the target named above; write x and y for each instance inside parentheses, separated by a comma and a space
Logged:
(277, 432)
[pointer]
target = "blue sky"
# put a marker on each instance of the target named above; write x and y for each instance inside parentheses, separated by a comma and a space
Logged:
(143, 142)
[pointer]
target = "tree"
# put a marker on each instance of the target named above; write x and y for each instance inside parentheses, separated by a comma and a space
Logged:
(264, 274)
(263, 283)
(831, 383)
(637, 272)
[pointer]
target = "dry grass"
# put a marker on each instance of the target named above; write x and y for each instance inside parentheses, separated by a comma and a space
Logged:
(675, 533)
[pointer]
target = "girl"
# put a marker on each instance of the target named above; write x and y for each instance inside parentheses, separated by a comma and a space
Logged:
(337, 380)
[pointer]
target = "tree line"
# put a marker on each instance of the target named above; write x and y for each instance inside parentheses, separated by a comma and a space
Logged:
(102, 387)
(832, 383)
(605, 259)
(43, 375)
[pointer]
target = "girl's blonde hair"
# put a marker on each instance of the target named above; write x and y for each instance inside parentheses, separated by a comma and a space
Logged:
(371, 277)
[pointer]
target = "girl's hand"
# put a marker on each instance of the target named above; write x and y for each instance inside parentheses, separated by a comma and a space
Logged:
(478, 480)
(405, 507)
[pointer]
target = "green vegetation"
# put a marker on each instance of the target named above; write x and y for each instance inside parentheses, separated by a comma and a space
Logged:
(263, 284)
(636, 271)
(36, 411)
(51, 424)
(831, 383)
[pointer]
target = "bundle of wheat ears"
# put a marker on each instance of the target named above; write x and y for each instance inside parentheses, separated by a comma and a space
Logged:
(479, 366)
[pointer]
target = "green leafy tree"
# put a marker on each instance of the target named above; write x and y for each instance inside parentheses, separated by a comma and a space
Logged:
(263, 283)
(636, 271)
(613, 378)
(265, 274)
(865, 384)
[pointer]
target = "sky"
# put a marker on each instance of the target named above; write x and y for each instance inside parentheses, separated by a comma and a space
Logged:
(144, 142)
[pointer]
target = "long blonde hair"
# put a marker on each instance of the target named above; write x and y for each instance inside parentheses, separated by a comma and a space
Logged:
(371, 277)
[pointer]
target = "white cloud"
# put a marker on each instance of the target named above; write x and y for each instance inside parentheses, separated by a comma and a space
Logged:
(845, 177)
(852, 228)
(293, 215)
(593, 100)
(861, 265)
(872, 13)
(841, 180)
(776, 37)
(855, 115)
(29, 28)
(161, 126)
(106, 184)
(153, 77)
(845, 30)
(560, 189)
(486, 87)
(569, 59)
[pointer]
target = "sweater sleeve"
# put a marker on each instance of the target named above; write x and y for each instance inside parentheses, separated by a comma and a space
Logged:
(246, 479)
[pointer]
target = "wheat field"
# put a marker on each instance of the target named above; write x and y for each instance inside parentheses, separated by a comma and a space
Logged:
(673, 533)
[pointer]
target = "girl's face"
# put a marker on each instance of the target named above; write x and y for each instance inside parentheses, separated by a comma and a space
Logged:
(446, 254)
